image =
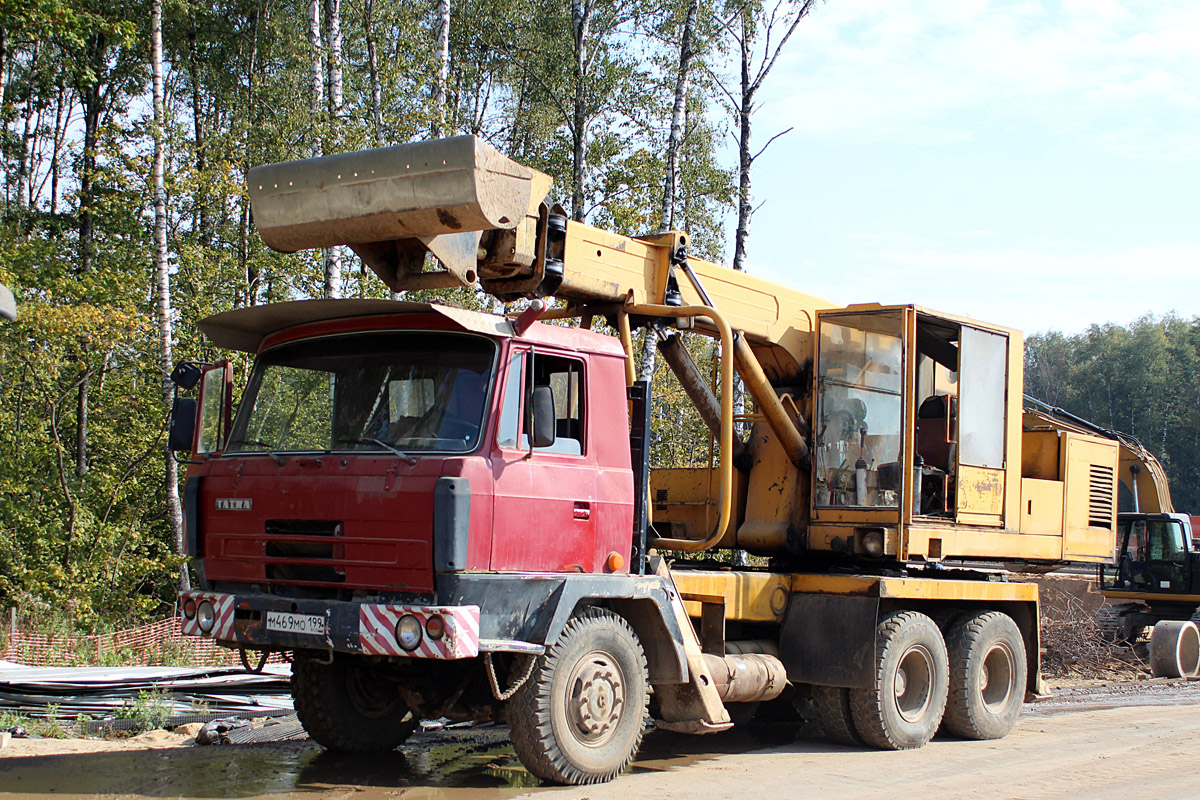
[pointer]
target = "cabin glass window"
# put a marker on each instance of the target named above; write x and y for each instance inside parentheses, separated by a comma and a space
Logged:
(397, 391)
(564, 376)
(509, 429)
(860, 410)
(212, 401)
(983, 384)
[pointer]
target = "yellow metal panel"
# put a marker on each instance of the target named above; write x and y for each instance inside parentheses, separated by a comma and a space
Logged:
(684, 502)
(964, 542)
(776, 498)
(914, 588)
(1041, 506)
(1090, 469)
(931, 589)
(749, 596)
(1039, 455)
(604, 266)
(981, 491)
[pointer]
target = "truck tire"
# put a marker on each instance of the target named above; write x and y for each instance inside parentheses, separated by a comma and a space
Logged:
(349, 706)
(580, 717)
(988, 673)
(903, 709)
(832, 707)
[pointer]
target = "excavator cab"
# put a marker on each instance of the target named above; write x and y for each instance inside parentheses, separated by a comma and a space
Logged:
(1154, 555)
(911, 421)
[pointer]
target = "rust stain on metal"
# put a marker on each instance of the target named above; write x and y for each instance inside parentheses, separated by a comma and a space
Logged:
(448, 219)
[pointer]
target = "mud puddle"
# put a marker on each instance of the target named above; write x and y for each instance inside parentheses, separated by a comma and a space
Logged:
(443, 764)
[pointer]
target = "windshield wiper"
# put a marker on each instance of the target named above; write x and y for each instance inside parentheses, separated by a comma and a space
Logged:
(387, 446)
(280, 460)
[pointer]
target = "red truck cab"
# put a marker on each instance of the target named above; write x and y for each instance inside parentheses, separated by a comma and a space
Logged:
(366, 426)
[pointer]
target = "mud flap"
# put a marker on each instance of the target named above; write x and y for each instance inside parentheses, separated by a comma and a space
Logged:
(695, 706)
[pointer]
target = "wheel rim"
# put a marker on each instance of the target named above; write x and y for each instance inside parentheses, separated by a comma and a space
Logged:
(371, 696)
(596, 698)
(997, 677)
(913, 683)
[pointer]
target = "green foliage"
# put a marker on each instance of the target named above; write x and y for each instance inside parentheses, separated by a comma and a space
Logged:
(1142, 379)
(85, 537)
(151, 710)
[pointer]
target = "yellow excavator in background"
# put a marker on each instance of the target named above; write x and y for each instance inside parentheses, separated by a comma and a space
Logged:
(1155, 574)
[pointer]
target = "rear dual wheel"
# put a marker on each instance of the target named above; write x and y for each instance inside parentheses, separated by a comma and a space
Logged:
(988, 674)
(903, 709)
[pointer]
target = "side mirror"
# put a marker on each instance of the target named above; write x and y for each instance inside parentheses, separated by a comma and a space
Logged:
(543, 416)
(183, 424)
(186, 375)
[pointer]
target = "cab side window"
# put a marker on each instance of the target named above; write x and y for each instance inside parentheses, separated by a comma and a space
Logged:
(564, 377)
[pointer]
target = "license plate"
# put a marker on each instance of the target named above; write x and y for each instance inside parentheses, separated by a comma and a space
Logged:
(295, 623)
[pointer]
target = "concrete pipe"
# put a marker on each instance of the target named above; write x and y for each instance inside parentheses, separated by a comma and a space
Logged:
(1175, 650)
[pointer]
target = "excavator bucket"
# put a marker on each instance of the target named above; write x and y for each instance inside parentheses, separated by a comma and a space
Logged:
(393, 204)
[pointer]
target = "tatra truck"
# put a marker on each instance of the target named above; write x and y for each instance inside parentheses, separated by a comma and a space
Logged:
(436, 512)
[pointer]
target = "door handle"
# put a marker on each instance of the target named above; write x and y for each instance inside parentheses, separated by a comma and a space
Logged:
(583, 510)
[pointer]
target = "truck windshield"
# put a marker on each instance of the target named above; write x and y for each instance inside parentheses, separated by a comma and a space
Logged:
(409, 391)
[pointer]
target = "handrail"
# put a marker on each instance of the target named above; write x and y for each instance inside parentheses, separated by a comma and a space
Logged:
(725, 465)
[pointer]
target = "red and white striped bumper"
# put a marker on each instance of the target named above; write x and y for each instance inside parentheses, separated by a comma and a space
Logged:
(377, 631)
(367, 628)
(190, 604)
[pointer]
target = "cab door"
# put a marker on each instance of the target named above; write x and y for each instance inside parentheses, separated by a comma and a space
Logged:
(543, 503)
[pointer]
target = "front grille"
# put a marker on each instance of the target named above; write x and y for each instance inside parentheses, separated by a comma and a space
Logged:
(1100, 497)
(319, 544)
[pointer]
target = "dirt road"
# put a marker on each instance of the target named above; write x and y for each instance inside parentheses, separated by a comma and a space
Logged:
(1078, 746)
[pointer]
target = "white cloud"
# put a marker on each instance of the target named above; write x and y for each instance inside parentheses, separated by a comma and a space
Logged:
(1123, 72)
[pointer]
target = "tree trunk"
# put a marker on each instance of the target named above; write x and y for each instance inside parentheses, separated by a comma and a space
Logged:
(25, 162)
(581, 18)
(334, 10)
(373, 72)
(162, 275)
(333, 255)
(745, 159)
(675, 137)
(81, 424)
(60, 134)
(439, 95)
(318, 79)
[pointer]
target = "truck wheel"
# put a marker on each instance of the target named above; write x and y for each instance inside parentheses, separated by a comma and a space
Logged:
(987, 676)
(832, 706)
(349, 706)
(904, 707)
(580, 717)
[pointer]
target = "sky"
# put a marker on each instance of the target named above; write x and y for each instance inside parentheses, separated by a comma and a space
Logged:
(1029, 164)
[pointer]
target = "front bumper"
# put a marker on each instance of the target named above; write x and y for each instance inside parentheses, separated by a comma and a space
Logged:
(344, 627)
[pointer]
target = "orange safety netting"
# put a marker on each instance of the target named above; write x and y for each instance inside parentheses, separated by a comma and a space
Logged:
(153, 644)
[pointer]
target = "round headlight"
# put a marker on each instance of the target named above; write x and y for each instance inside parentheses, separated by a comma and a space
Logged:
(189, 608)
(206, 616)
(408, 632)
(873, 543)
(435, 627)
